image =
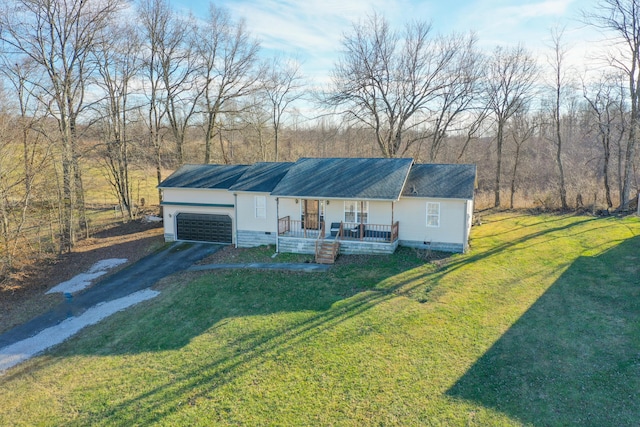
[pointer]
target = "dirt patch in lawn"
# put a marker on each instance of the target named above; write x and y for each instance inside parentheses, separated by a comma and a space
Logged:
(23, 296)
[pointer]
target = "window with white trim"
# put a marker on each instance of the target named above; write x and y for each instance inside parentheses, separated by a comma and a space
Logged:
(356, 211)
(261, 206)
(433, 214)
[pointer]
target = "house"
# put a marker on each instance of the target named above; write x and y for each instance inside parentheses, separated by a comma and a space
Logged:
(318, 205)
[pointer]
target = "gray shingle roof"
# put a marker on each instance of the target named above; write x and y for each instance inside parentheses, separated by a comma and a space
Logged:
(204, 176)
(443, 181)
(345, 178)
(262, 177)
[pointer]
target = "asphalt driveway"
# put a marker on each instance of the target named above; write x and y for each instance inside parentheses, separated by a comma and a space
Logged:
(136, 277)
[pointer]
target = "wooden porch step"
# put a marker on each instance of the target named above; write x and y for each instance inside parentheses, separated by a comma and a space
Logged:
(326, 251)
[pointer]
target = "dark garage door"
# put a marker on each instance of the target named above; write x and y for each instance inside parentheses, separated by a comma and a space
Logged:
(204, 227)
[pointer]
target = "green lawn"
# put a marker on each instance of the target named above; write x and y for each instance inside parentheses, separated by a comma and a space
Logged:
(539, 324)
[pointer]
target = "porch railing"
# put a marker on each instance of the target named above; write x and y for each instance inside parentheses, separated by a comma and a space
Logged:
(284, 225)
(295, 228)
(343, 230)
(370, 232)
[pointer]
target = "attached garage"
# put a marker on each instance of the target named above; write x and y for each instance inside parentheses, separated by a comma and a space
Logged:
(204, 227)
(197, 204)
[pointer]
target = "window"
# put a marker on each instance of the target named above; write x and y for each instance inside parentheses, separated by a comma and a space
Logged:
(261, 206)
(433, 214)
(356, 211)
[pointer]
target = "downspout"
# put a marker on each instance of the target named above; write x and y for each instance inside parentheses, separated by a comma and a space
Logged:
(392, 222)
(277, 225)
(392, 203)
(465, 234)
(235, 218)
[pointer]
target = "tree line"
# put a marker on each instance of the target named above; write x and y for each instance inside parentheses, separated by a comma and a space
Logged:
(140, 84)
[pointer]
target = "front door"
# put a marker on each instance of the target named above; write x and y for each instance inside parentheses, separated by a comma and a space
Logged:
(311, 214)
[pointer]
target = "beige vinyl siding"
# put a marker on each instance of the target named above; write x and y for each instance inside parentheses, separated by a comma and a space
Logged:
(246, 213)
(192, 195)
(289, 207)
(412, 215)
(379, 211)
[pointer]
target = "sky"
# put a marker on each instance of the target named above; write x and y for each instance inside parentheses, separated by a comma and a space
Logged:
(311, 30)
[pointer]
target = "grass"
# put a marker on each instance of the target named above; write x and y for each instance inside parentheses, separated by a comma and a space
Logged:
(539, 324)
(98, 191)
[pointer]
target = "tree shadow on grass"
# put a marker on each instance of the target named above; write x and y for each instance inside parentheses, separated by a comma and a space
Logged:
(537, 236)
(203, 303)
(574, 357)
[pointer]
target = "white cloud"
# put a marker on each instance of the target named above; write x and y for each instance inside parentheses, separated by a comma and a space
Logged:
(311, 30)
(546, 8)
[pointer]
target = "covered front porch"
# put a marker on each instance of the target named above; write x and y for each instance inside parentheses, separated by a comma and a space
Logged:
(348, 226)
(344, 238)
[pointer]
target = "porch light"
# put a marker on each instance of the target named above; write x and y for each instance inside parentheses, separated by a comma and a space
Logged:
(296, 201)
(327, 203)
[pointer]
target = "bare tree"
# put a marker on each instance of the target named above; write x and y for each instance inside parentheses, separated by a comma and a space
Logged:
(283, 85)
(228, 57)
(561, 82)
(606, 102)
(388, 81)
(58, 36)
(474, 128)
(179, 76)
(23, 155)
(11, 178)
(456, 109)
(511, 77)
(117, 62)
(622, 18)
(521, 128)
(257, 129)
(155, 17)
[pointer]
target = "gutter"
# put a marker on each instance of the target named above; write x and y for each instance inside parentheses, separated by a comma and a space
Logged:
(207, 205)
(235, 218)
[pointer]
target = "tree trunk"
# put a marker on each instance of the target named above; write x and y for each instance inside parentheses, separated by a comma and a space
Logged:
(628, 160)
(513, 176)
(225, 159)
(500, 138)
(605, 172)
(630, 152)
(67, 238)
(159, 173)
(563, 189)
(209, 135)
(79, 188)
(275, 139)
